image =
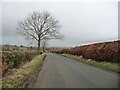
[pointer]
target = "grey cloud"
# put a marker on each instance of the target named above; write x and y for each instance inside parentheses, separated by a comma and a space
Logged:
(82, 23)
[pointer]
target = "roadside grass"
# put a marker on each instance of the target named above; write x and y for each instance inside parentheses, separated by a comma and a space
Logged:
(21, 74)
(105, 65)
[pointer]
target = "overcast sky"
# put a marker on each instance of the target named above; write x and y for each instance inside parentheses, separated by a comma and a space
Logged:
(82, 22)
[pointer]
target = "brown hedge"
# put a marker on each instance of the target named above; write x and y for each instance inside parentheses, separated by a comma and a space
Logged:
(106, 51)
(13, 59)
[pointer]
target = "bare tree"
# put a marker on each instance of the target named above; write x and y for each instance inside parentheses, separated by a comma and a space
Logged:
(44, 44)
(39, 26)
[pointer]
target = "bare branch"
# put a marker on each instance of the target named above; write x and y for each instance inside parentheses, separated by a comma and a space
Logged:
(40, 26)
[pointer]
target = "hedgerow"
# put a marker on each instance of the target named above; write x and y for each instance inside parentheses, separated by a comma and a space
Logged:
(107, 51)
(14, 59)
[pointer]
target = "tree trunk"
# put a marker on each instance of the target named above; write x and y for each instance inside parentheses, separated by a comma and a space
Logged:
(38, 50)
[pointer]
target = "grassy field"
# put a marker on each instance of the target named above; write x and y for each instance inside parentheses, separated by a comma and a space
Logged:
(21, 74)
(17, 48)
(105, 65)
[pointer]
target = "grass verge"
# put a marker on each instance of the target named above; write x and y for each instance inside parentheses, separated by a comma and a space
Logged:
(15, 80)
(105, 65)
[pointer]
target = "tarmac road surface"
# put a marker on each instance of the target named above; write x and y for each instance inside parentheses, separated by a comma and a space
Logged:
(61, 72)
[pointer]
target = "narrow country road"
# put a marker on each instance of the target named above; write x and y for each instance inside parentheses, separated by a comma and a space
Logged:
(62, 72)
